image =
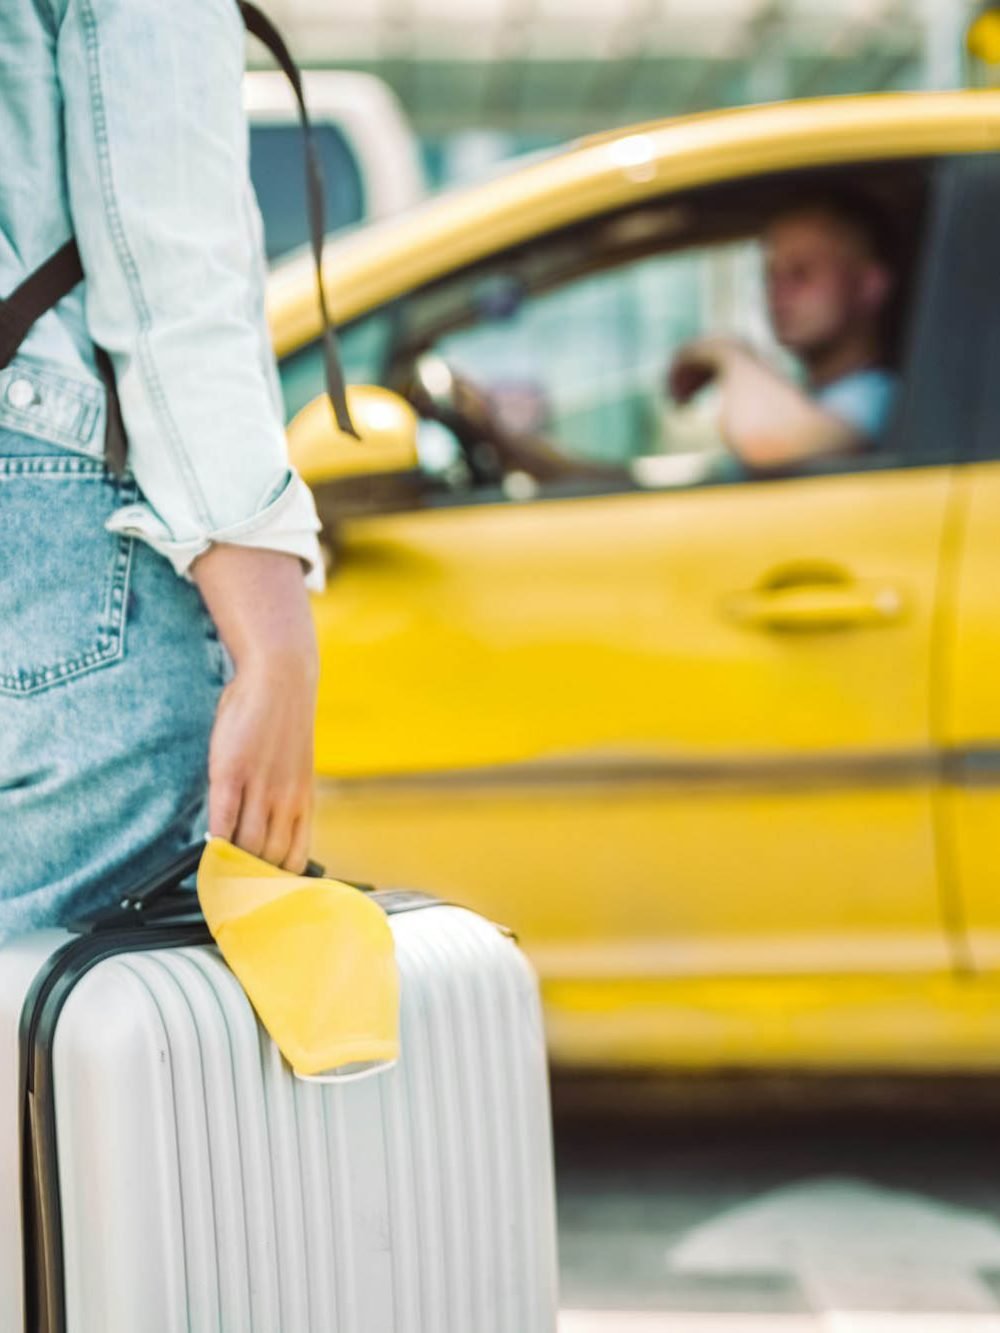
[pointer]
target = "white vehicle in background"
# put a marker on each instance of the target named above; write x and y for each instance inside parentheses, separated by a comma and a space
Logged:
(371, 159)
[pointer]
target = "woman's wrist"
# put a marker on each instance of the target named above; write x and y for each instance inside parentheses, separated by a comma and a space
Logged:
(259, 603)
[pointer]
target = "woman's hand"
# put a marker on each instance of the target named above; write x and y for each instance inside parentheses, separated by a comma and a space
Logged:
(260, 766)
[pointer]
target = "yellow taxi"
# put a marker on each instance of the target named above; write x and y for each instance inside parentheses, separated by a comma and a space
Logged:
(723, 749)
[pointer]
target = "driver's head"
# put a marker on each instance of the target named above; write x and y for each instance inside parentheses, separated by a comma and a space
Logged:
(828, 272)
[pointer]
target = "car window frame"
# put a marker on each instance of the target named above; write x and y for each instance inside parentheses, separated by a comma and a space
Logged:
(956, 345)
(945, 287)
(905, 443)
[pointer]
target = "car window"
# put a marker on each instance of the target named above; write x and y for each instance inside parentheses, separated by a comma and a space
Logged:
(555, 358)
(547, 365)
(585, 366)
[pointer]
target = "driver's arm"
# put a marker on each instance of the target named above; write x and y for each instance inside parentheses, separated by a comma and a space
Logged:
(765, 419)
(534, 454)
(545, 461)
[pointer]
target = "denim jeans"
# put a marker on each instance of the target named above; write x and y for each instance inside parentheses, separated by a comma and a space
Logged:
(110, 672)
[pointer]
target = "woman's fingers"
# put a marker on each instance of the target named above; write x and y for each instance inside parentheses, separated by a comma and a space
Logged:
(252, 830)
(281, 820)
(225, 784)
(298, 852)
(224, 799)
(260, 768)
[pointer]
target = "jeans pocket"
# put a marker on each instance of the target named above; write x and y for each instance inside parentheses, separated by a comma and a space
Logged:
(64, 583)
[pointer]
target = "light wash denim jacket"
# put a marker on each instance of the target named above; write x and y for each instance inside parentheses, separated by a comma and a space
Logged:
(121, 122)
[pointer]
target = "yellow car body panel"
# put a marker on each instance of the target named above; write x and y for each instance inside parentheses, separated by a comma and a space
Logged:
(578, 718)
(549, 632)
(505, 719)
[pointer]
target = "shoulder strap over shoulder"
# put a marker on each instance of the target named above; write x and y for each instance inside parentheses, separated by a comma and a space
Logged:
(39, 292)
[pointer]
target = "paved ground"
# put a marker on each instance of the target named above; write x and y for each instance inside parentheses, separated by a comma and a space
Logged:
(878, 1217)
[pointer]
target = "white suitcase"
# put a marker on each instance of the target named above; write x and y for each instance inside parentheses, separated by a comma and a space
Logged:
(162, 1171)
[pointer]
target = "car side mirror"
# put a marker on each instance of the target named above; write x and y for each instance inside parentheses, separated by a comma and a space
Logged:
(373, 474)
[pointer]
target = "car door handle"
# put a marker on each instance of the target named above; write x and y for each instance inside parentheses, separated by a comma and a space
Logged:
(817, 607)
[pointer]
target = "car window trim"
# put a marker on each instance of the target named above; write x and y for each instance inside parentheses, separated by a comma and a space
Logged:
(895, 454)
(946, 367)
(941, 283)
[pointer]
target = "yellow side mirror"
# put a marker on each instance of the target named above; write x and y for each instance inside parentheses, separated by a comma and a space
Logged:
(387, 424)
(376, 474)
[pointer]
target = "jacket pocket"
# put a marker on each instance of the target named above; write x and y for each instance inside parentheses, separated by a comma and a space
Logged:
(63, 578)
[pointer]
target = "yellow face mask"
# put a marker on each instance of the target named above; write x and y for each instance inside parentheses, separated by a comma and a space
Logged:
(315, 958)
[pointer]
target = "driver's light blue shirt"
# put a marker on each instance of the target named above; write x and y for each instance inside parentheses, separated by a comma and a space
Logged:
(864, 399)
(122, 123)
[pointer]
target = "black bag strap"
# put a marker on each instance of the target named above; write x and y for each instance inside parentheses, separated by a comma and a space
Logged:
(39, 292)
(261, 27)
(115, 439)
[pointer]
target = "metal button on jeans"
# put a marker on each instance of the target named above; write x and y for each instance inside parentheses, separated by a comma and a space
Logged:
(21, 394)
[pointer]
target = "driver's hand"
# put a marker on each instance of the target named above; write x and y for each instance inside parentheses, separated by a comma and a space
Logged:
(698, 363)
(688, 376)
(474, 404)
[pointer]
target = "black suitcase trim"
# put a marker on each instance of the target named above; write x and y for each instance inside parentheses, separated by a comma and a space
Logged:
(41, 1210)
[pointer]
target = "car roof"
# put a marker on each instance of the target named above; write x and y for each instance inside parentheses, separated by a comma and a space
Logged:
(369, 266)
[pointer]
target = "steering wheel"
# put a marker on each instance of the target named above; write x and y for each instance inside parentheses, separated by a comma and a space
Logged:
(440, 393)
(491, 450)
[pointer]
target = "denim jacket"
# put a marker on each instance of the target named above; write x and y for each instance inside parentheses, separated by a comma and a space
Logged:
(122, 123)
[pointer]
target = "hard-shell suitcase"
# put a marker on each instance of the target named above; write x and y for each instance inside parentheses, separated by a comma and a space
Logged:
(161, 1169)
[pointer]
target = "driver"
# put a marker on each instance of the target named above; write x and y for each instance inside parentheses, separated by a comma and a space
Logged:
(830, 282)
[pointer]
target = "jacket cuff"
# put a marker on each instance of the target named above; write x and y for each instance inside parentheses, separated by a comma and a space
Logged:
(287, 523)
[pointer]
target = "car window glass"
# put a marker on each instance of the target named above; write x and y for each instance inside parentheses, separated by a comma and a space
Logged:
(546, 366)
(585, 366)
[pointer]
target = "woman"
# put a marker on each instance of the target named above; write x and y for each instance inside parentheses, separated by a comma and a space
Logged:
(158, 665)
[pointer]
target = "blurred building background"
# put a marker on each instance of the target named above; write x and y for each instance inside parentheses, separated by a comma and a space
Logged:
(481, 80)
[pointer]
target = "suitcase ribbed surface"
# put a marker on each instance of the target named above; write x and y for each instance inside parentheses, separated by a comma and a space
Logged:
(204, 1188)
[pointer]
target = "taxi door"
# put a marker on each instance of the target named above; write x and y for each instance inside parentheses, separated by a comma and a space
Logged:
(682, 741)
(666, 737)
